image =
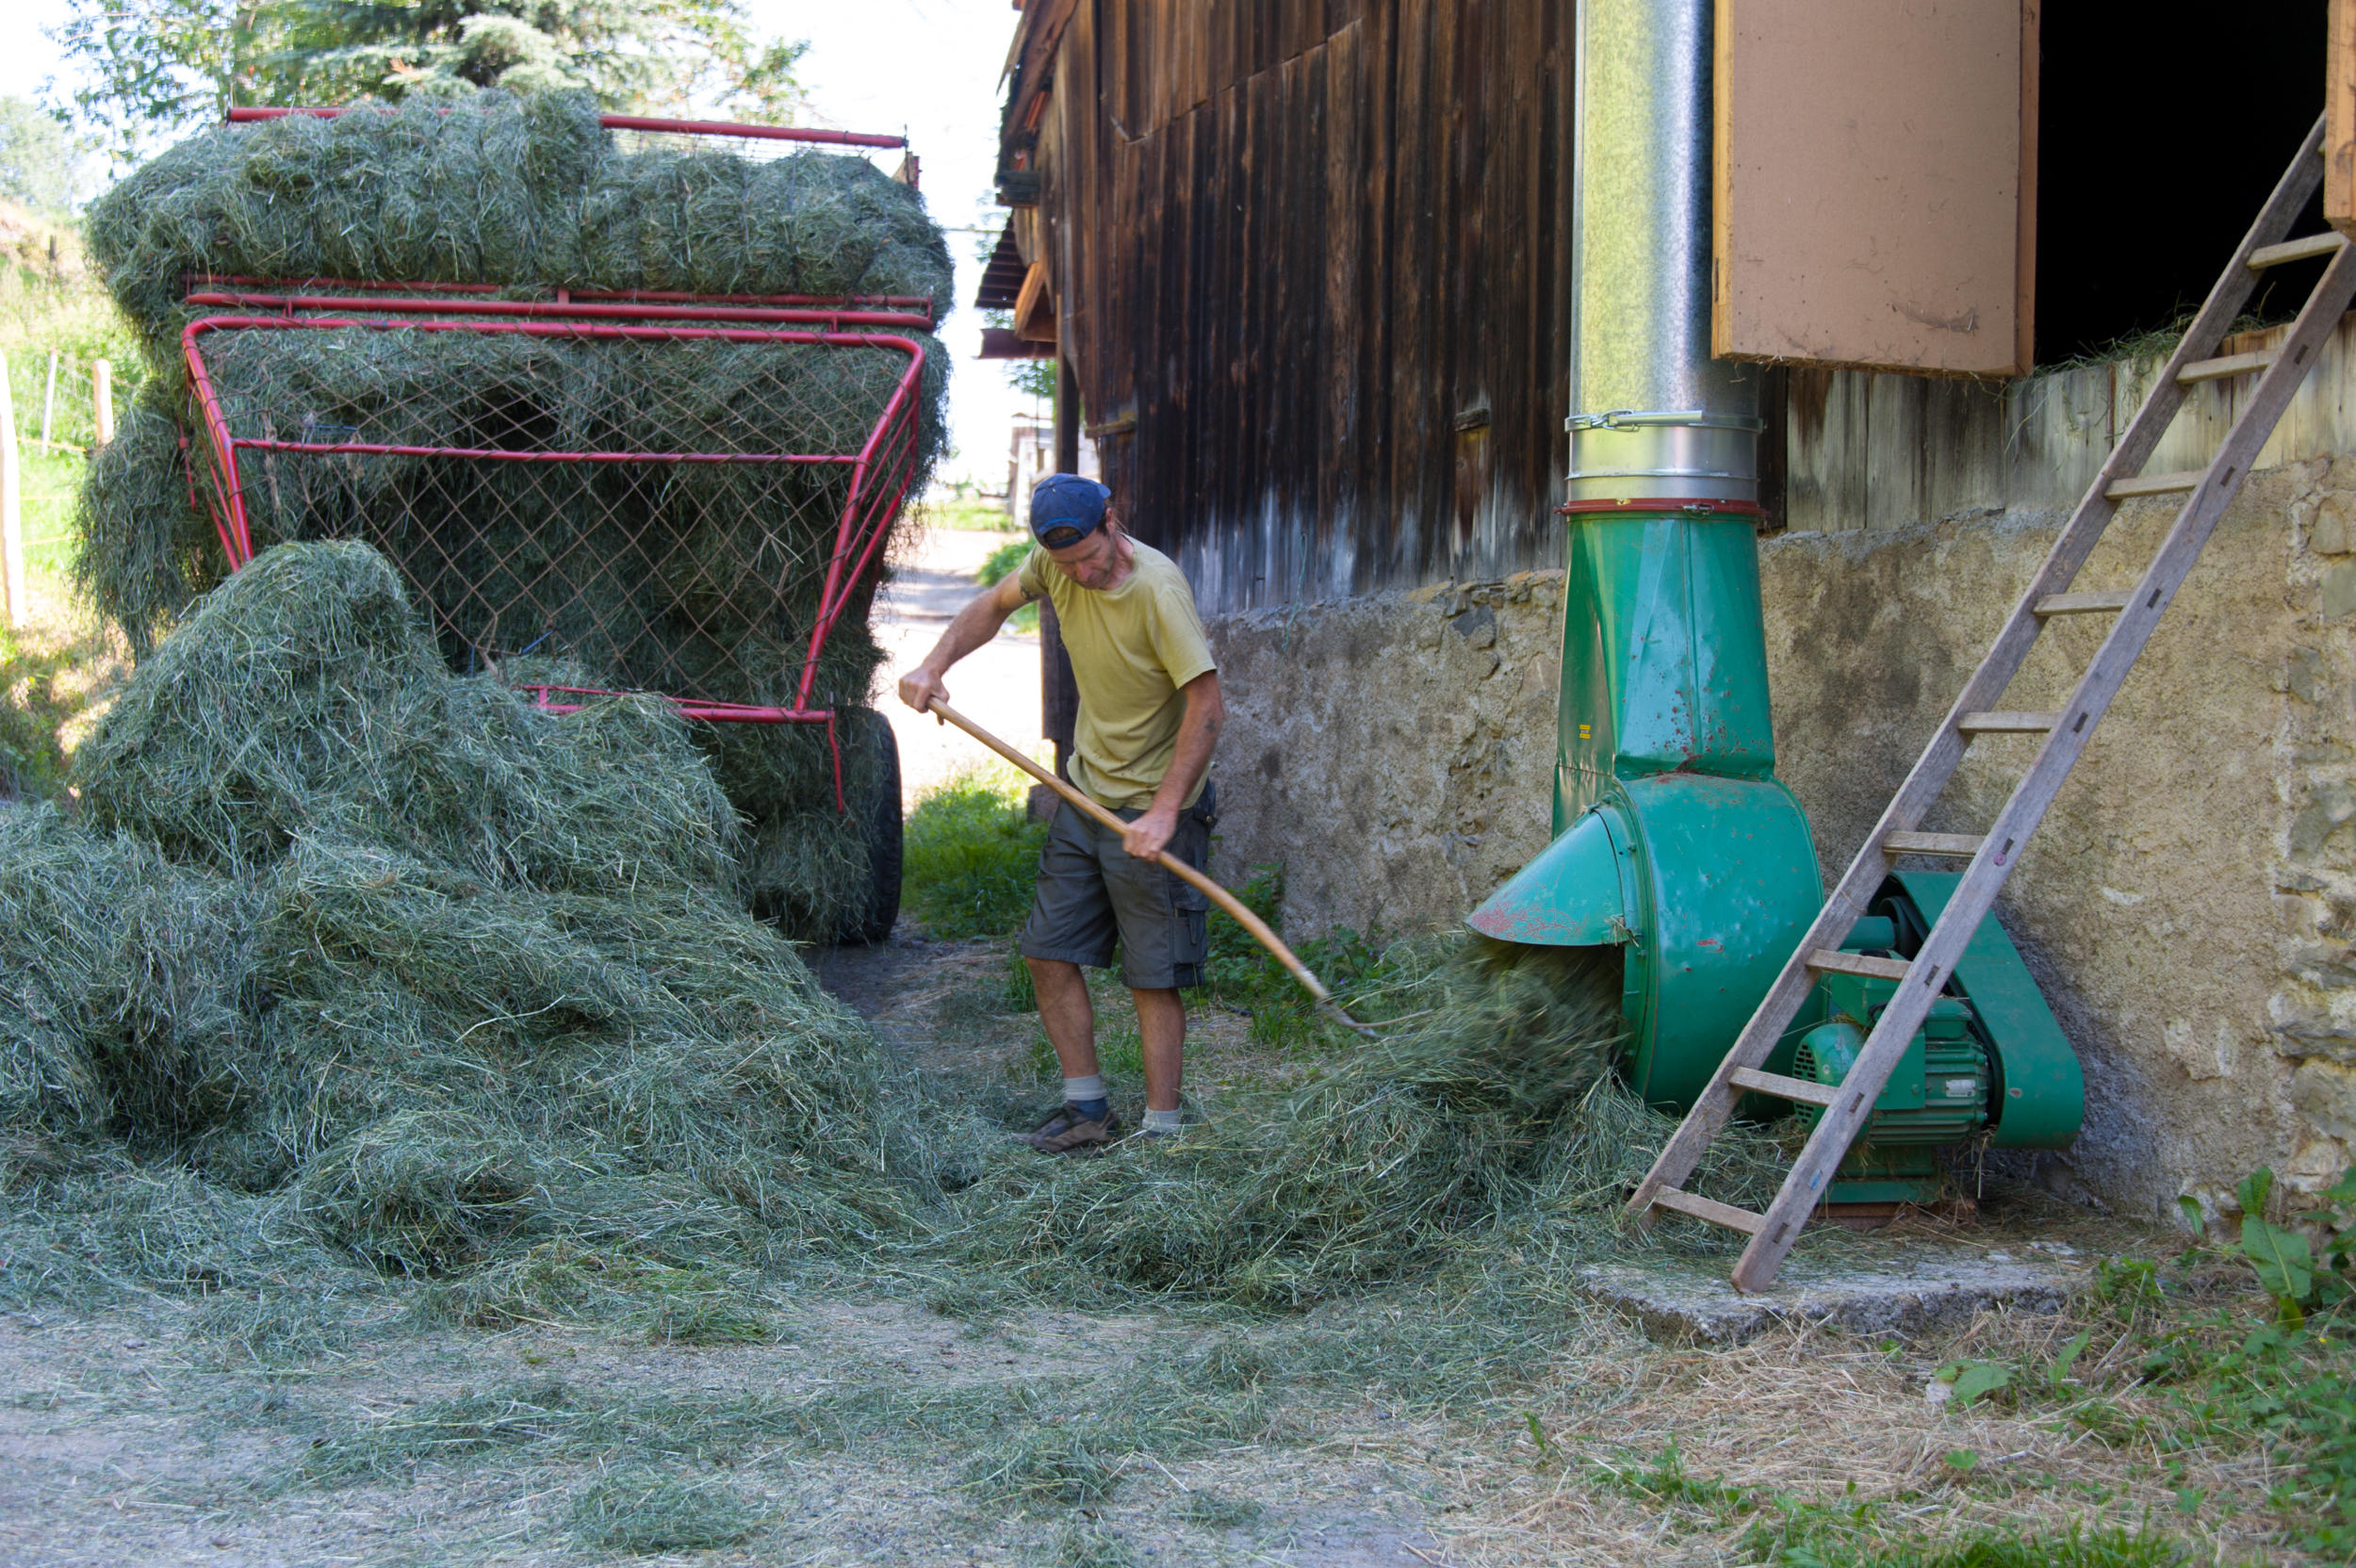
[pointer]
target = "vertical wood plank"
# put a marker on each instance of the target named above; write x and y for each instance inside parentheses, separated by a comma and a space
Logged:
(2339, 108)
(2024, 238)
(1894, 449)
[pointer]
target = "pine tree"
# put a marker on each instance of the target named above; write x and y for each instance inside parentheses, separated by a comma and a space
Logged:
(158, 65)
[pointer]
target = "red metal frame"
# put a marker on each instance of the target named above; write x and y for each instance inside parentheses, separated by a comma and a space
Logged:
(624, 122)
(278, 290)
(879, 478)
(571, 310)
(1661, 503)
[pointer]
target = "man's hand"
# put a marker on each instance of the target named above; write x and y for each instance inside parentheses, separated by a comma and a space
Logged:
(921, 688)
(1150, 833)
(969, 628)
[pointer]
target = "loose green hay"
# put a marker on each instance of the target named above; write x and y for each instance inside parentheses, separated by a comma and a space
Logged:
(351, 962)
(353, 970)
(1491, 1123)
(641, 1510)
(143, 551)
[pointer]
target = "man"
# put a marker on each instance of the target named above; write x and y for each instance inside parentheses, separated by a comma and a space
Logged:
(1149, 716)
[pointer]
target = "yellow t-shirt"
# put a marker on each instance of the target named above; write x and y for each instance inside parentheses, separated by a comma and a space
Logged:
(1131, 648)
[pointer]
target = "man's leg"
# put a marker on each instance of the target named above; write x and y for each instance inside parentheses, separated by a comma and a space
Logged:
(1069, 1017)
(1162, 1021)
(1071, 926)
(1164, 946)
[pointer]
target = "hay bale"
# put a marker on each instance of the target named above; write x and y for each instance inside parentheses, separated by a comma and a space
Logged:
(523, 191)
(645, 577)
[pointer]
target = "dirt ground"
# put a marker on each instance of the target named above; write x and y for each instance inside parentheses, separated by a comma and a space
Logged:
(127, 1437)
(996, 685)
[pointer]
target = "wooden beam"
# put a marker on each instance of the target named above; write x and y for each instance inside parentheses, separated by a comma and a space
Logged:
(1709, 1209)
(2154, 485)
(2339, 115)
(1827, 960)
(2295, 250)
(1802, 1090)
(2083, 604)
(1954, 846)
(2229, 365)
(1035, 307)
(2007, 721)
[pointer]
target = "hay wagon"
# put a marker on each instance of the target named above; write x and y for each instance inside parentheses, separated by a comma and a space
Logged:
(598, 490)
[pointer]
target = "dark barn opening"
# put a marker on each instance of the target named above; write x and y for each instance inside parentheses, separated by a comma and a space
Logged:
(2154, 151)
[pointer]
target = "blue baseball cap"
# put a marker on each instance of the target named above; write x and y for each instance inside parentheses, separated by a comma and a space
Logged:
(1066, 509)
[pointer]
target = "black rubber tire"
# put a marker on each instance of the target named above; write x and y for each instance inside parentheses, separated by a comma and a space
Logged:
(877, 810)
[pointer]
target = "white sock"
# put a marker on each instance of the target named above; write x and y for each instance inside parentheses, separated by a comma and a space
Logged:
(1079, 1091)
(1162, 1121)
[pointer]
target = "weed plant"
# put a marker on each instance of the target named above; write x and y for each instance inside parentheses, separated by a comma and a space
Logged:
(1003, 563)
(969, 854)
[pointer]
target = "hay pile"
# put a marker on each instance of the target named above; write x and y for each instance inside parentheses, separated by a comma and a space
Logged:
(652, 578)
(527, 192)
(1488, 1125)
(347, 958)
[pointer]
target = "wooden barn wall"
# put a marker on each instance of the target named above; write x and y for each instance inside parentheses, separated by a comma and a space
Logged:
(1308, 258)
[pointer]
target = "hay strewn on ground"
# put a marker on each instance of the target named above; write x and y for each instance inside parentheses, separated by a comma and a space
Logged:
(392, 966)
(688, 580)
(1484, 1128)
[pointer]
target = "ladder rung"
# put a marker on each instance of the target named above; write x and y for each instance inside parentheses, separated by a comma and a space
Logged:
(2232, 364)
(2154, 485)
(1806, 1091)
(2083, 604)
(2295, 250)
(1704, 1208)
(1831, 961)
(1959, 846)
(2008, 722)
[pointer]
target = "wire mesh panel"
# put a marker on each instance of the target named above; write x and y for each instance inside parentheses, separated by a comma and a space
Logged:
(688, 509)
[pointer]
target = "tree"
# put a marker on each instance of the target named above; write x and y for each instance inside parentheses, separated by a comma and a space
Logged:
(154, 66)
(37, 158)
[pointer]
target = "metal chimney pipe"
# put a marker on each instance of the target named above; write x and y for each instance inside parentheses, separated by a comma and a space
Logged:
(1657, 418)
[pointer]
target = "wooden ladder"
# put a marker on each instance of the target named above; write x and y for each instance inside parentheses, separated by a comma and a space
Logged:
(1977, 711)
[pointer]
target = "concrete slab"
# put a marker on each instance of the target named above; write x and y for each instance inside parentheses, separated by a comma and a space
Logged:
(1918, 1290)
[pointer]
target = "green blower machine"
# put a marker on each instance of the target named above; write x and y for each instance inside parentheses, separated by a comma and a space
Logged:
(1674, 842)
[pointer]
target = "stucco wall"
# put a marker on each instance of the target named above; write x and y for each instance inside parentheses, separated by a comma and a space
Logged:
(2189, 906)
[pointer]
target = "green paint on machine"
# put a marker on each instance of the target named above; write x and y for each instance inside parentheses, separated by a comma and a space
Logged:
(1677, 844)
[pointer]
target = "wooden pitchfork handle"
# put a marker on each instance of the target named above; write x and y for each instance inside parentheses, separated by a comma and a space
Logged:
(1217, 894)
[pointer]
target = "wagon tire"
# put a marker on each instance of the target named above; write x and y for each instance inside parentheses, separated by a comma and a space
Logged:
(876, 808)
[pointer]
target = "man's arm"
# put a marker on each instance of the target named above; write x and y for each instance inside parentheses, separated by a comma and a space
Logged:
(971, 628)
(1197, 734)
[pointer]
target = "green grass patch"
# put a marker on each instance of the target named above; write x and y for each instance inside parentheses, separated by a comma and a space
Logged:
(1358, 969)
(970, 855)
(964, 514)
(51, 482)
(1003, 563)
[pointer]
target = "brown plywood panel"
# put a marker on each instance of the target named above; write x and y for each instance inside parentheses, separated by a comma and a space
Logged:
(1874, 183)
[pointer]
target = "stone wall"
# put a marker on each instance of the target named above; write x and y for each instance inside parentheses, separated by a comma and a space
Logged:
(2189, 906)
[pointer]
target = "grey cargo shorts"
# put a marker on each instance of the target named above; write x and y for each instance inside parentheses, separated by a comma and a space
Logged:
(1092, 892)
